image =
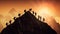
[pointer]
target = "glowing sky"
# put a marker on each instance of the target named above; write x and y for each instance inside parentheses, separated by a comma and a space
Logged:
(45, 8)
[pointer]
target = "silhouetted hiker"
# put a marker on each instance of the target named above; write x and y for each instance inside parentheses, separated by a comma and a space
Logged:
(39, 17)
(43, 19)
(33, 12)
(19, 15)
(30, 9)
(6, 24)
(14, 18)
(10, 21)
(25, 11)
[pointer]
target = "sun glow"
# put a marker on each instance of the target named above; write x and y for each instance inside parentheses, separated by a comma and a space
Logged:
(46, 9)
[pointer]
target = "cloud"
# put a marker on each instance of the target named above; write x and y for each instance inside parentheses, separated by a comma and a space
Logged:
(1, 26)
(13, 12)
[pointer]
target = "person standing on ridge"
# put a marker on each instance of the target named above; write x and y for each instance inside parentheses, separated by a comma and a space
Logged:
(6, 24)
(10, 21)
(30, 9)
(25, 11)
(43, 19)
(39, 17)
(19, 15)
(14, 18)
(33, 12)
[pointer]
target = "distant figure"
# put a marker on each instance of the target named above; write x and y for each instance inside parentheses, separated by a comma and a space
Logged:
(19, 15)
(33, 12)
(14, 18)
(6, 24)
(10, 21)
(43, 19)
(30, 9)
(39, 17)
(25, 11)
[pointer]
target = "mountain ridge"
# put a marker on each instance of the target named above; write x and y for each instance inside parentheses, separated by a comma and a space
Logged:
(28, 24)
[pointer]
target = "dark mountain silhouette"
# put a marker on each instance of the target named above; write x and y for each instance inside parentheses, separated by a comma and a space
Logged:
(52, 22)
(28, 24)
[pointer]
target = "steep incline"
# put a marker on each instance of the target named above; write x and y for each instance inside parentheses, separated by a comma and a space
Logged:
(28, 24)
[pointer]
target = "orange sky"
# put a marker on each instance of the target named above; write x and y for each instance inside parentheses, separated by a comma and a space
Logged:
(39, 6)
